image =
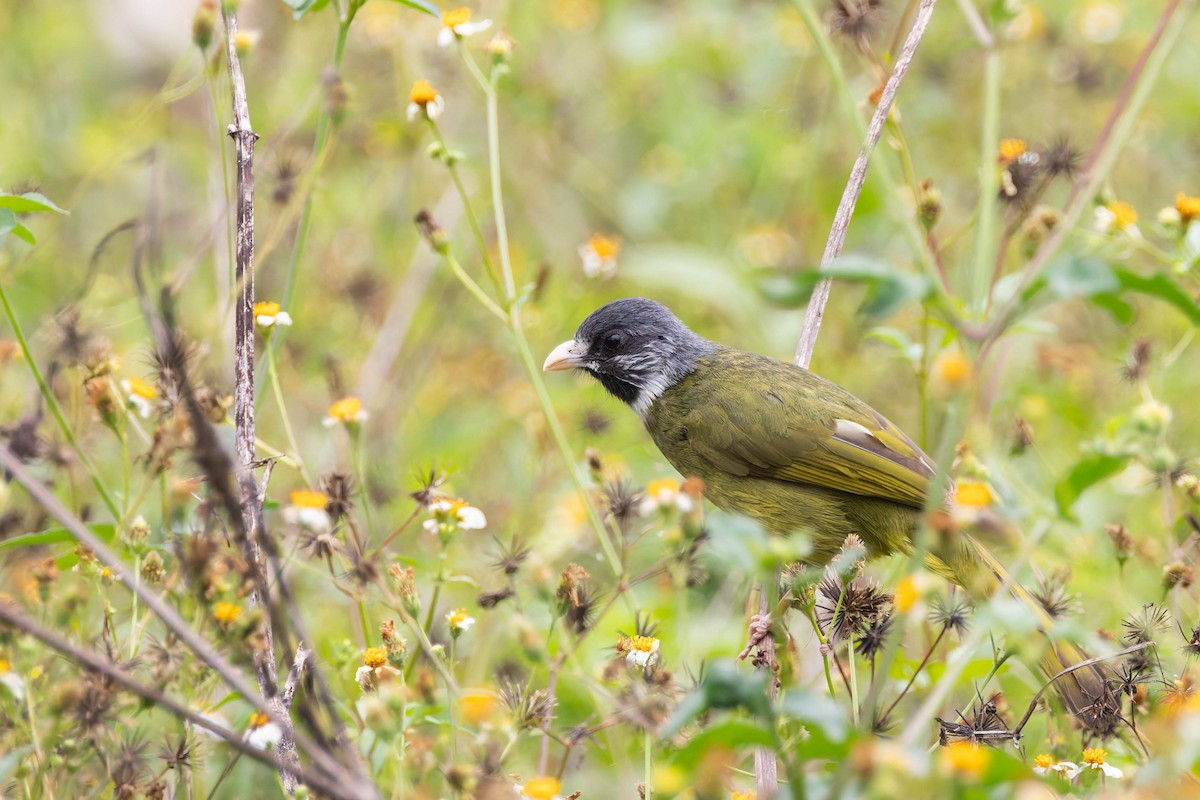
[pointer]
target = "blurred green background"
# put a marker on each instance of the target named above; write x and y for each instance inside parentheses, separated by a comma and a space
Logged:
(707, 135)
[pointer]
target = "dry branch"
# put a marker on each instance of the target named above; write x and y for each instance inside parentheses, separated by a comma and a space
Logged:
(244, 137)
(765, 766)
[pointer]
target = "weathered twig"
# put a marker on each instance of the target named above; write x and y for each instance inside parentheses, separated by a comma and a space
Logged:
(1016, 732)
(765, 766)
(244, 137)
(858, 175)
(10, 615)
(295, 675)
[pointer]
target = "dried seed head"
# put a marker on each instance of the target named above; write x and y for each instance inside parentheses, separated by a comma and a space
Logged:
(954, 617)
(339, 488)
(1145, 624)
(1178, 574)
(845, 609)
(1061, 157)
(873, 637)
(1052, 594)
(1137, 361)
(1121, 540)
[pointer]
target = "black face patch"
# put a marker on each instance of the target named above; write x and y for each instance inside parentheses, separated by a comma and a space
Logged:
(622, 390)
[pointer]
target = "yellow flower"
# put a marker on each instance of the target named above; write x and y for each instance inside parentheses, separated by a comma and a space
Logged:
(5, 666)
(599, 255)
(258, 719)
(907, 593)
(448, 516)
(347, 411)
(225, 612)
(974, 494)
(749, 794)
(1093, 758)
(245, 41)
(424, 98)
(477, 707)
(306, 498)
(140, 388)
(374, 657)
(1188, 207)
(665, 493)
(541, 788)
(1011, 150)
(968, 760)
(1125, 214)
(141, 396)
(267, 314)
(308, 511)
(456, 23)
(459, 621)
(1027, 24)
(639, 651)
(1117, 216)
(952, 369)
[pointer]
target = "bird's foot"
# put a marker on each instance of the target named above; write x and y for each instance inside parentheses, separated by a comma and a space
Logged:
(760, 629)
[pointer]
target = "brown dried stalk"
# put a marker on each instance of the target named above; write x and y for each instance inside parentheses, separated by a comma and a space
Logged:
(765, 766)
(244, 138)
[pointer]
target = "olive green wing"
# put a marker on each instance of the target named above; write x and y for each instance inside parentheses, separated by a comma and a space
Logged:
(775, 420)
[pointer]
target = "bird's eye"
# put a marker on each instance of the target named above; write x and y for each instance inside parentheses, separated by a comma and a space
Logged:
(613, 340)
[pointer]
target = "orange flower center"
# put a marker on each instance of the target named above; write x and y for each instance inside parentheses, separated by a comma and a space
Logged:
(141, 388)
(604, 246)
(374, 657)
(266, 308)
(306, 498)
(1188, 207)
(1012, 149)
(542, 788)
(1123, 213)
(346, 410)
(1094, 755)
(455, 17)
(422, 93)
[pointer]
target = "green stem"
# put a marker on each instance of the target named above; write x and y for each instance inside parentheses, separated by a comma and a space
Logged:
(324, 124)
(55, 409)
(493, 129)
(648, 764)
(450, 701)
(474, 288)
(985, 236)
(277, 390)
(366, 625)
(853, 680)
(468, 209)
(360, 466)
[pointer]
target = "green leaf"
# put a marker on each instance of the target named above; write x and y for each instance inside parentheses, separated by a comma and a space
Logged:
(8, 221)
(1087, 473)
(1162, 287)
(55, 536)
(818, 711)
(29, 202)
(888, 289)
(726, 734)
(21, 232)
(1080, 276)
(301, 7)
(421, 5)
(1122, 312)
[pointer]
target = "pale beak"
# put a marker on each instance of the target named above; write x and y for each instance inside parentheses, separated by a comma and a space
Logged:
(567, 355)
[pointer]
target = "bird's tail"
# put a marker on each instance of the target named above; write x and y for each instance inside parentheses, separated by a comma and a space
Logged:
(1084, 690)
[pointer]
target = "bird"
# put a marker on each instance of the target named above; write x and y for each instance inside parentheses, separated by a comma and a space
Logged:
(794, 451)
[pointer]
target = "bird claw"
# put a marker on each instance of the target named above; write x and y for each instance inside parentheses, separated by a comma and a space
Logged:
(760, 628)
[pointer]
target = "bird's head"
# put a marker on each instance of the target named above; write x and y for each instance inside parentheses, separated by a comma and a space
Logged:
(635, 347)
